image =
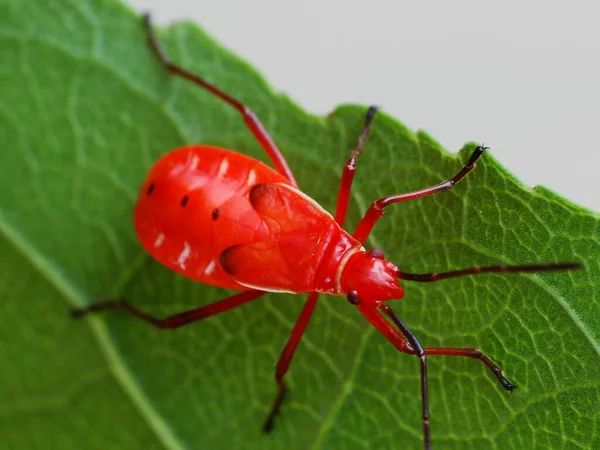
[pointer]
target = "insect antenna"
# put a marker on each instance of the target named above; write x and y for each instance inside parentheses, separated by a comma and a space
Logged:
(419, 351)
(435, 276)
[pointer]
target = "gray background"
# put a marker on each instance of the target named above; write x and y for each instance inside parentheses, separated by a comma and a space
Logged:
(523, 77)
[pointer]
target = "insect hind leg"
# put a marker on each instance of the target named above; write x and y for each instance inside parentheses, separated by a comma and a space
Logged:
(174, 321)
(252, 121)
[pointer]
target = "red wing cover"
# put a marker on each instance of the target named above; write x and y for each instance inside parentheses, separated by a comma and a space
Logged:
(288, 260)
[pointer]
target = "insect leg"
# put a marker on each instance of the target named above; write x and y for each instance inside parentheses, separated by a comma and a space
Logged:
(250, 118)
(473, 352)
(375, 211)
(286, 358)
(421, 352)
(476, 354)
(405, 341)
(350, 169)
(176, 320)
(392, 335)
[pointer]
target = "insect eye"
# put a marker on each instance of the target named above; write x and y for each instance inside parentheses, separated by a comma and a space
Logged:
(376, 253)
(353, 298)
(150, 189)
(184, 200)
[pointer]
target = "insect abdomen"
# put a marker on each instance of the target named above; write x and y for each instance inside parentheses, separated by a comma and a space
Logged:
(194, 205)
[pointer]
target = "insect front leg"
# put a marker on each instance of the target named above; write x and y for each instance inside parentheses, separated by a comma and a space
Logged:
(502, 268)
(405, 341)
(375, 211)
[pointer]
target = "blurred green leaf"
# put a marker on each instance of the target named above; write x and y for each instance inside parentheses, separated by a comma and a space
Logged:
(85, 109)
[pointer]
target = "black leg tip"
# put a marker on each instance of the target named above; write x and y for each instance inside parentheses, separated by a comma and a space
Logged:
(371, 113)
(268, 426)
(77, 313)
(479, 150)
(507, 385)
(147, 21)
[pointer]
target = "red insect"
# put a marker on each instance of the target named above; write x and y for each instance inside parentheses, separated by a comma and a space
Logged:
(225, 219)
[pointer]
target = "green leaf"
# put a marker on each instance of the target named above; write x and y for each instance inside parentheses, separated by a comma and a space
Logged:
(85, 109)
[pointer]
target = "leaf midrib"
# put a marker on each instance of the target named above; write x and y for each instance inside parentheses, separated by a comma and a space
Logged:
(116, 365)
